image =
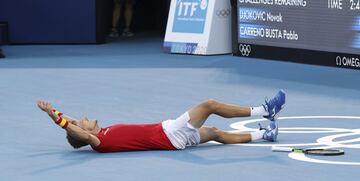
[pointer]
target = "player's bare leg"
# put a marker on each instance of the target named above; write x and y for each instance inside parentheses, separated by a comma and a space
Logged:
(271, 108)
(201, 112)
(226, 137)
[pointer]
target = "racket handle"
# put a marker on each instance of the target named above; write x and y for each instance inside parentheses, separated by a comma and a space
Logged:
(282, 149)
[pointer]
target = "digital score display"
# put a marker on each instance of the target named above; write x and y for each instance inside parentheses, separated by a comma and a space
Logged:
(323, 32)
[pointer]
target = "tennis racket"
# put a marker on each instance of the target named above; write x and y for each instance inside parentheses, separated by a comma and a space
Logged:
(324, 152)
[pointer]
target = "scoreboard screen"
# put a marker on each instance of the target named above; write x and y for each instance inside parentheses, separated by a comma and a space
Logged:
(323, 32)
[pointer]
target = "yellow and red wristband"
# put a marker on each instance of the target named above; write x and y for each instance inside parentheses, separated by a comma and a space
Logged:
(57, 113)
(60, 121)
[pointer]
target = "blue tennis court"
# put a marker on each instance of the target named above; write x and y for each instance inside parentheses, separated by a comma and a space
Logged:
(135, 82)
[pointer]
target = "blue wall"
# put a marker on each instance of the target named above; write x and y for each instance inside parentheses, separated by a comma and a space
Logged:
(50, 21)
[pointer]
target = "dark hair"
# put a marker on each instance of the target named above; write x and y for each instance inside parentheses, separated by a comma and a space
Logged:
(74, 142)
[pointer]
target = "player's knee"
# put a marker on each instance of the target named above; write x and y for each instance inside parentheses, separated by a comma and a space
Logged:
(214, 129)
(216, 132)
(210, 104)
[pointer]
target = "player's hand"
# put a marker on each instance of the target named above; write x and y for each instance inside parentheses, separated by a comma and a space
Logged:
(45, 106)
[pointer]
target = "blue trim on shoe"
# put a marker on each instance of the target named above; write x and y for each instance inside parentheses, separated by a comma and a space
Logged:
(271, 131)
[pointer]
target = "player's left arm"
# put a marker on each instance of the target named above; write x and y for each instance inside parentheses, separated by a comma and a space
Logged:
(79, 134)
(67, 123)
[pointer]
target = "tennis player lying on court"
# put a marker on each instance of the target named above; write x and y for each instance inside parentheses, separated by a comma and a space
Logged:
(186, 130)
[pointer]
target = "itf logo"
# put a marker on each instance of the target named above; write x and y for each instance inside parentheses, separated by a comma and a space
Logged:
(190, 16)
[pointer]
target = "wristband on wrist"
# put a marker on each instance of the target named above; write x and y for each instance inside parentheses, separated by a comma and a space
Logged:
(63, 123)
(57, 113)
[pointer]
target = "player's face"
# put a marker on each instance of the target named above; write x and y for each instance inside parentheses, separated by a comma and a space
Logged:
(87, 124)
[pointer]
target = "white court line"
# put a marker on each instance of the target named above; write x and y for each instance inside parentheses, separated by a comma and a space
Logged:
(327, 141)
(303, 157)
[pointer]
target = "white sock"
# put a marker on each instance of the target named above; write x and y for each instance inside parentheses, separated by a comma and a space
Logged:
(258, 111)
(257, 135)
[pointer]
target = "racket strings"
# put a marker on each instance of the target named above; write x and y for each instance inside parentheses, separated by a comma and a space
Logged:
(324, 152)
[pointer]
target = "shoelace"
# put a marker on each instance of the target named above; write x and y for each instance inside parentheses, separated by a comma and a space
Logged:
(265, 128)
